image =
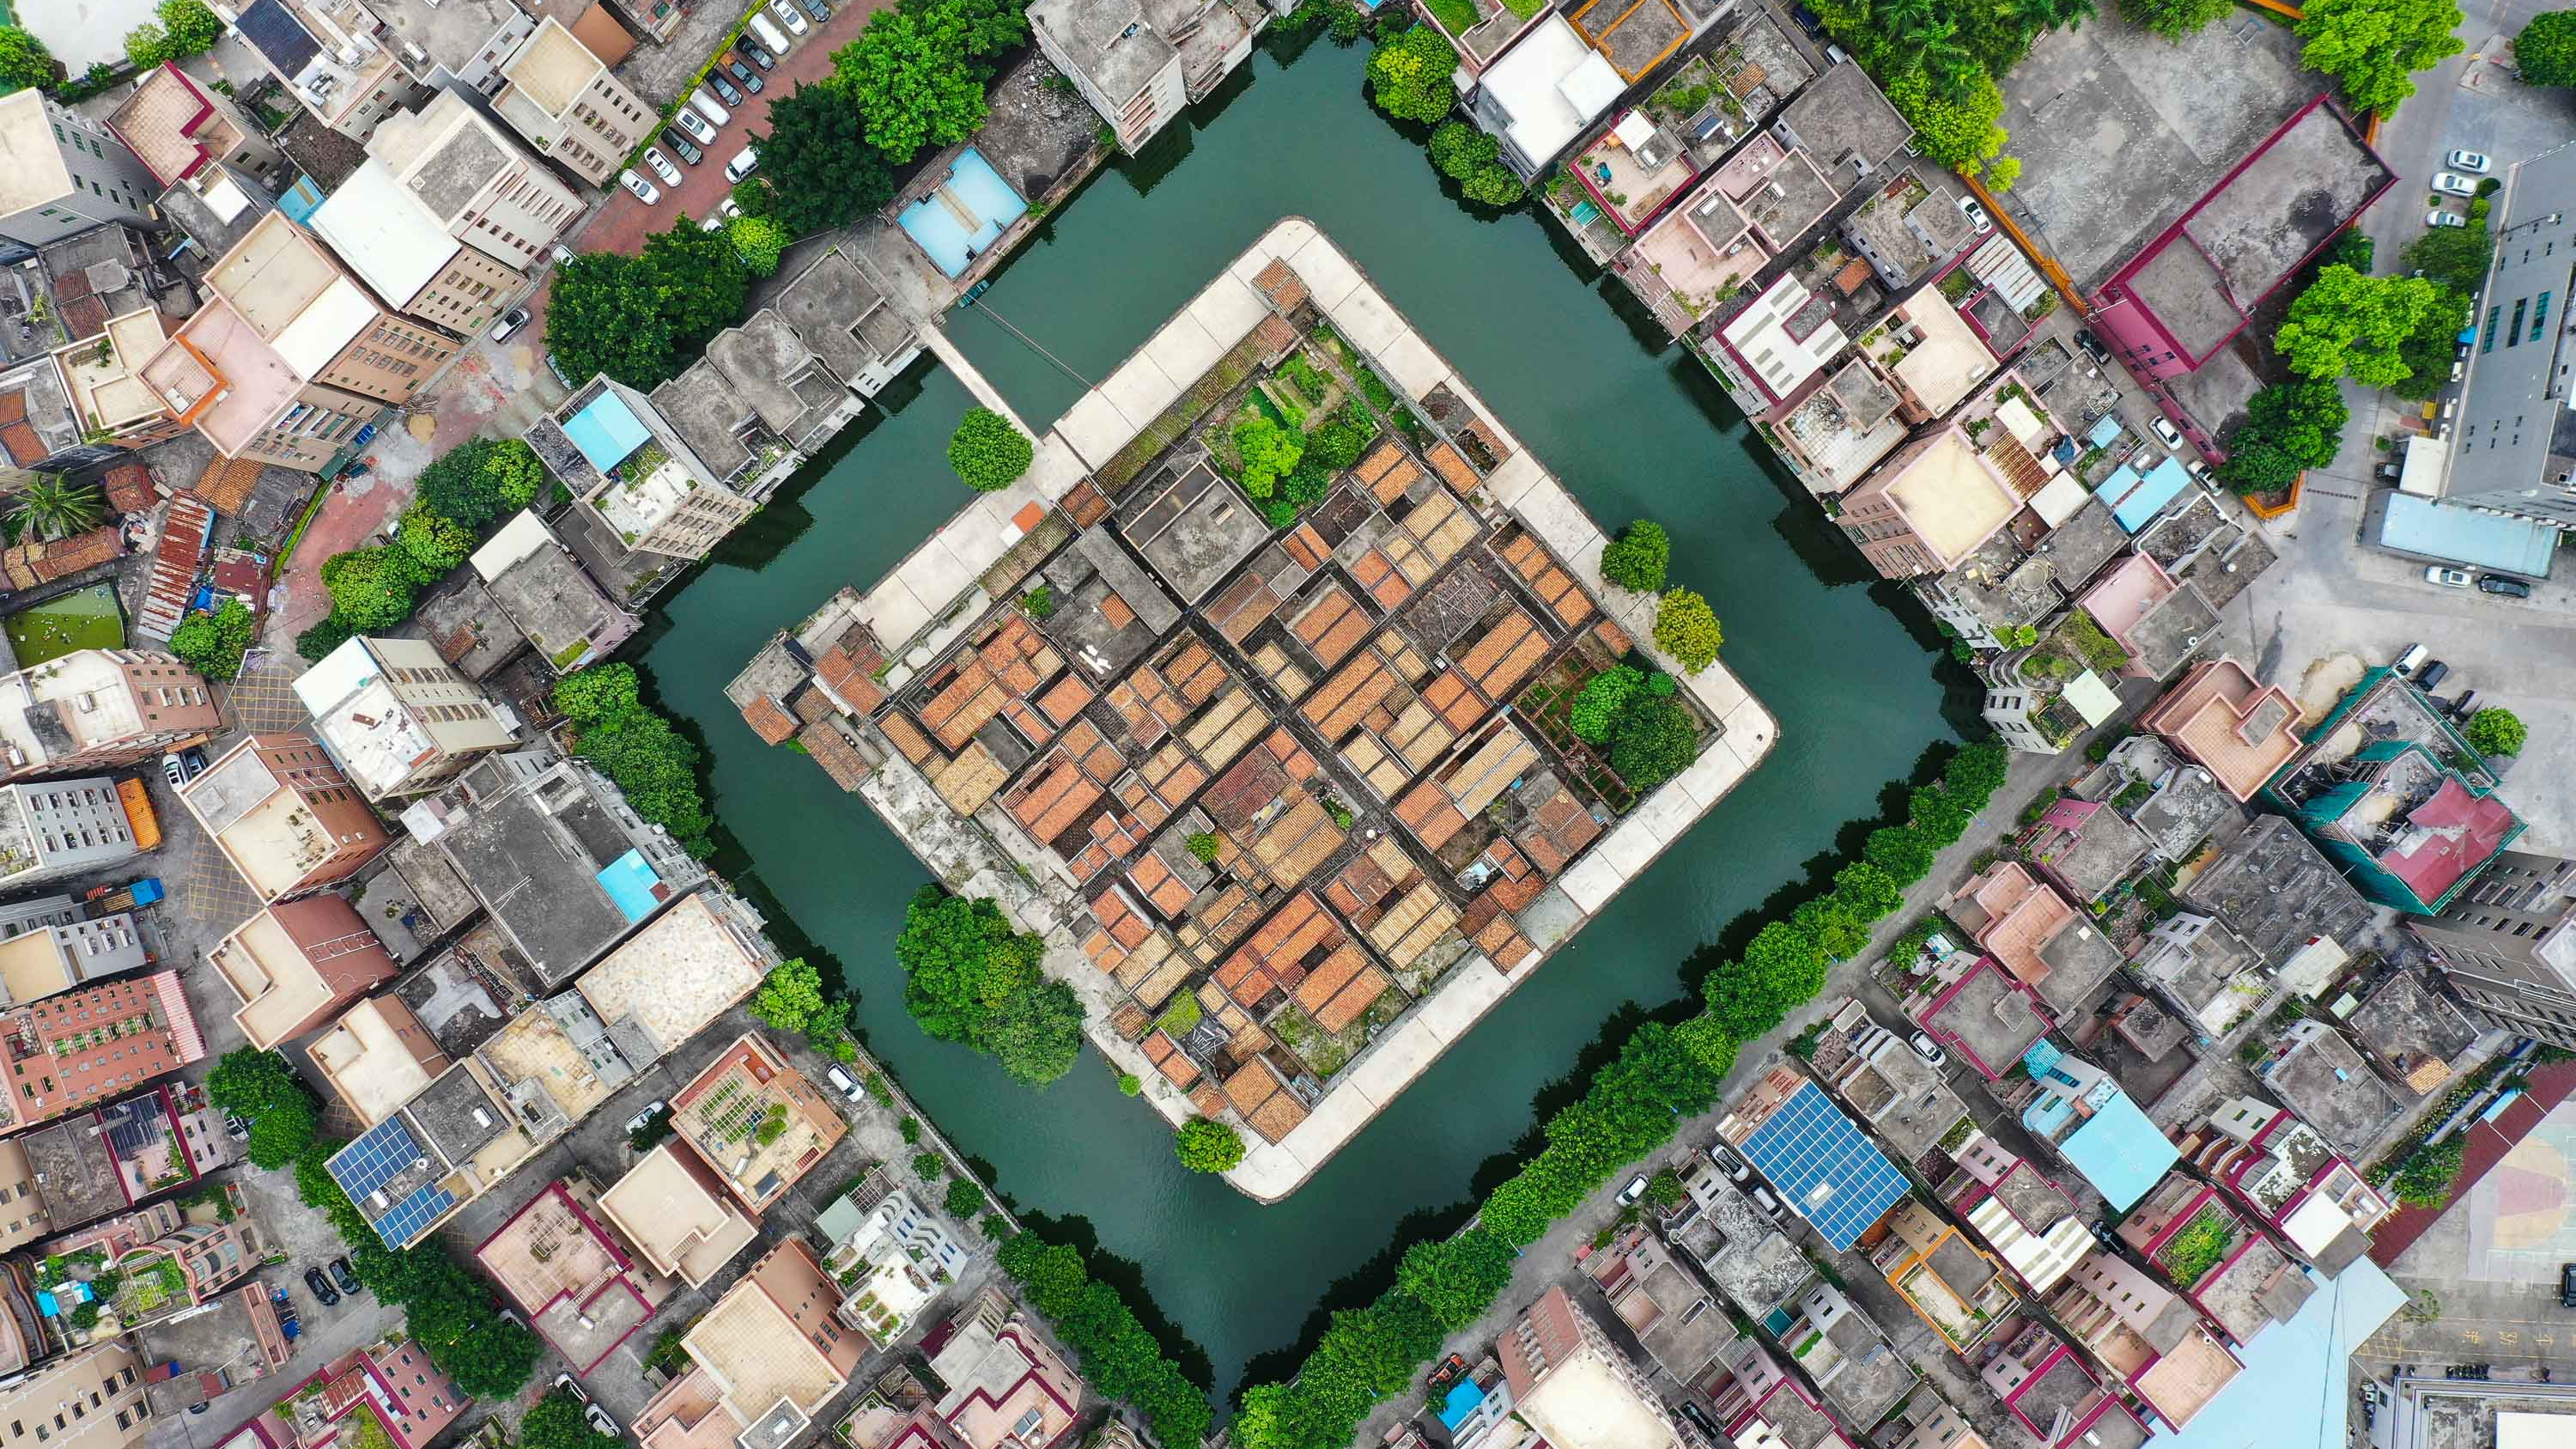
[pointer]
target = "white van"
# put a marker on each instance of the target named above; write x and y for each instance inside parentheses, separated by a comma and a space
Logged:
(745, 162)
(769, 33)
(707, 107)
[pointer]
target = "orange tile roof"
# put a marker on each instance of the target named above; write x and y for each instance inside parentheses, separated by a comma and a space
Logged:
(1453, 468)
(227, 483)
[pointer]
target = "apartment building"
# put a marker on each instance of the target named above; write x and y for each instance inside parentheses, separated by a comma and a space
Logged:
(1574, 1386)
(104, 1383)
(2515, 454)
(397, 717)
(561, 96)
(2237, 727)
(575, 1278)
(895, 1257)
(105, 395)
(1139, 64)
(2304, 1191)
(476, 179)
(295, 964)
(1002, 1387)
(62, 173)
(55, 957)
(683, 1223)
(332, 56)
(292, 353)
(1958, 1291)
(2508, 945)
(60, 828)
(397, 246)
(67, 1051)
(167, 1260)
(772, 1344)
(279, 809)
(639, 474)
(2146, 1335)
(100, 709)
(187, 135)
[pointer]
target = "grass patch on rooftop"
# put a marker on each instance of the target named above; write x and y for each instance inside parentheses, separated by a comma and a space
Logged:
(83, 619)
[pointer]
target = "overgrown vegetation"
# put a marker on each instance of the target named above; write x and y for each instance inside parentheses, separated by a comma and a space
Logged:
(987, 452)
(213, 644)
(470, 488)
(791, 998)
(1118, 1356)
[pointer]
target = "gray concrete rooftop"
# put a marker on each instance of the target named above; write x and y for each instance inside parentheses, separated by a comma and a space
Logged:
(703, 407)
(2276, 891)
(2327, 1083)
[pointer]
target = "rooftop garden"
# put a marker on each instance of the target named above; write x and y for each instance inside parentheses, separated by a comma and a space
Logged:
(2204, 1243)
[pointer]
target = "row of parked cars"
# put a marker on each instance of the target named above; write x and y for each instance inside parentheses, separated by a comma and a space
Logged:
(2461, 180)
(770, 33)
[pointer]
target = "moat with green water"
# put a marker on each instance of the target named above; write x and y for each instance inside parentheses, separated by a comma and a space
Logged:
(1634, 427)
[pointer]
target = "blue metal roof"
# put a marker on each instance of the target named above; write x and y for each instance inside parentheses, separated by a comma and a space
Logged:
(1824, 1167)
(2105, 432)
(2120, 1152)
(2311, 1349)
(607, 431)
(1464, 1396)
(2426, 529)
(2153, 492)
(630, 882)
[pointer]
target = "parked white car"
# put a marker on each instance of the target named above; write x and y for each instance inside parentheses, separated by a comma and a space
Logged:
(745, 162)
(707, 108)
(662, 166)
(1975, 211)
(2474, 162)
(788, 17)
(2166, 431)
(645, 191)
(699, 127)
(2452, 183)
(2439, 217)
(2447, 578)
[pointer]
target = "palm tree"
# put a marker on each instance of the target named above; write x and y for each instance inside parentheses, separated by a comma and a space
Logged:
(1904, 22)
(51, 507)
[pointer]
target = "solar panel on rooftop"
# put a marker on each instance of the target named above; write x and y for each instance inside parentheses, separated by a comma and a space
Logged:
(370, 1162)
(1824, 1167)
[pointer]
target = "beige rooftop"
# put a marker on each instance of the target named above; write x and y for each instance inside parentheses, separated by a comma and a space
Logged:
(676, 976)
(681, 1223)
(1951, 498)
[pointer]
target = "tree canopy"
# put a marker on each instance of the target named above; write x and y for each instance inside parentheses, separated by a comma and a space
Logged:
(2349, 325)
(2174, 19)
(2496, 732)
(988, 452)
(24, 61)
(556, 1422)
(1473, 159)
(971, 978)
(908, 75)
(2546, 50)
(1456, 1278)
(640, 319)
(213, 644)
(2288, 428)
(2374, 47)
(481, 481)
(1687, 629)
(817, 165)
(1637, 558)
(652, 764)
(1409, 75)
(1204, 1145)
(1960, 131)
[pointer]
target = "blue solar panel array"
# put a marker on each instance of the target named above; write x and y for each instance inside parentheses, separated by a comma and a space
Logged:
(375, 1158)
(1807, 1145)
(413, 1215)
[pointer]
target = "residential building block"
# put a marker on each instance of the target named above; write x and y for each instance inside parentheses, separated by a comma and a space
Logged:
(2508, 944)
(397, 717)
(284, 815)
(476, 180)
(58, 828)
(100, 709)
(562, 97)
(69, 1050)
(1576, 1387)
(296, 964)
(62, 173)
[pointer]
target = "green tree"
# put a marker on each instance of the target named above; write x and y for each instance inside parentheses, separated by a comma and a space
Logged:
(371, 588)
(24, 61)
(50, 506)
(1900, 850)
(1473, 159)
(964, 1200)
(1338, 444)
(1687, 629)
(1781, 969)
(2288, 427)
(317, 642)
(2425, 1180)
(1207, 1146)
(1941, 819)
(2496, 732)
(1458, 1278)
(2374, 47)
(193, 28)
(1870, 892)
(817, 166)
(603, 318)
(2546, 50)
(598, 694)
(1409, 75)
(2174, 19)
(699, 283)
(1977, 772)
(908, 76)
(970, 978)
(1838, 930)
(2349, 325)
(652, 764)
(556, 1422)
(435, 543)
(759, 241)
(1598, 705)
(260, 1088)
(1960, 132)
(1654, 739)
(480, 481)
(988, 452)
(2427, 352)
(2002, 174)
(790, 996)
(1637, 558)
(213, 644)
(1269, 451)
(148, 47)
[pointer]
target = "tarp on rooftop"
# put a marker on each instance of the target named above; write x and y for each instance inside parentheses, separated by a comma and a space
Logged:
(607, 431)
(2449, 534)
(2309, 1350)
(2149, 498)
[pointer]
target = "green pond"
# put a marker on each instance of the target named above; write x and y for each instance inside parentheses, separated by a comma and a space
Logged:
(82, 619)
(1632, 424)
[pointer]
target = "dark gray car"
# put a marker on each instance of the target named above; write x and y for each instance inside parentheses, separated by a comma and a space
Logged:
(686, 149)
